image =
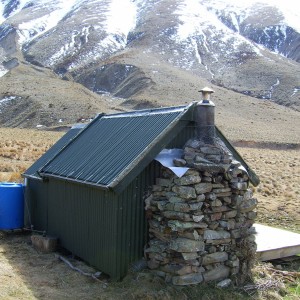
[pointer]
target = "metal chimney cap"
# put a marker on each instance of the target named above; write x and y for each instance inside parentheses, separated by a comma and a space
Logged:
(206, 90)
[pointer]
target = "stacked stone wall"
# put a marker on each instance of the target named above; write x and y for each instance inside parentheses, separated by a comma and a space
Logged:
(200, 225)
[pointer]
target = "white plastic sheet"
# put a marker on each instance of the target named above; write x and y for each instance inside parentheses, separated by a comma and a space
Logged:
(166, 157)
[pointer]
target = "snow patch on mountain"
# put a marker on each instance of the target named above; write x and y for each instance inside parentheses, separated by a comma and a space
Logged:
(6, 101)
(204, 41)
(196, 19)
(32, 29)
(121, 17)
(16, 6)
(3, 71)
(112, 30)
(240, 10)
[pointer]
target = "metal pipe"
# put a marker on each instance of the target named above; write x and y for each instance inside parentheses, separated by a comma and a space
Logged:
(205, 117)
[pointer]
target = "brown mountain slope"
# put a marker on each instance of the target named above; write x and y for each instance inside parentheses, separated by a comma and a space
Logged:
(45, 99)
(41, 98)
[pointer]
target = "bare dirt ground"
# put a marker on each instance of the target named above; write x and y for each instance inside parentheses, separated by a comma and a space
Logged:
(27, 274)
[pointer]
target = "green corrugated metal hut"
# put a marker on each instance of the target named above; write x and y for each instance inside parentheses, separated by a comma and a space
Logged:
(89, 188)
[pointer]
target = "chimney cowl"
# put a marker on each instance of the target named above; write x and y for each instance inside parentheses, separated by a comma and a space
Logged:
(206, 92)
(205, 117)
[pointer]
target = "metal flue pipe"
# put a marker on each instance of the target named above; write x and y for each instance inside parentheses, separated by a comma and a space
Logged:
(205, 117)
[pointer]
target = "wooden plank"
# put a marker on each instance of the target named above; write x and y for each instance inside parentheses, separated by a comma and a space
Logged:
(273, 243)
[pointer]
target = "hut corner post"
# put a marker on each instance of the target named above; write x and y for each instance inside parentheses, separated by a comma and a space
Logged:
(200, 225)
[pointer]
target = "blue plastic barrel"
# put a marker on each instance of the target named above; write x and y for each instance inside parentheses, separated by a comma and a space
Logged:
(11, 205)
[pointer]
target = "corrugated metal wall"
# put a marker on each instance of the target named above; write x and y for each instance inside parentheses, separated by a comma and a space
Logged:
(106, 229)
(132, 228)
(85, 221)
(36, 199)
(180, 139)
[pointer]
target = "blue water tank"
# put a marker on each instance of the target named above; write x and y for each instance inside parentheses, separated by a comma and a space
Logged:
(11, 205)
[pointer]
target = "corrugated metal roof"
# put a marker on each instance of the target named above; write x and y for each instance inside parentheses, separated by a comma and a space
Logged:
(32, 171)
(109, 145)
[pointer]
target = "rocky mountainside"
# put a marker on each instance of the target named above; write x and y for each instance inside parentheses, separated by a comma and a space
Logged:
(62, 61)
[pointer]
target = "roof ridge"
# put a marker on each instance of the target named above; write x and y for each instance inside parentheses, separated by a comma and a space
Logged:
(143, 112)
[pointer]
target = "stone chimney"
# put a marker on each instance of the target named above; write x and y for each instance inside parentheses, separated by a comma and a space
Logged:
(200, 224)
(205, 117)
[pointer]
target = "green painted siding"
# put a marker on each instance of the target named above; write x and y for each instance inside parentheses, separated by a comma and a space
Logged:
(106, 229)
(85, 221)
(184, 135)
(36, 199)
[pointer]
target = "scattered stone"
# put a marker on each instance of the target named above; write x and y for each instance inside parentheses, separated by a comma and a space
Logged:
(187, 279)
(224, 283)
(219, 273)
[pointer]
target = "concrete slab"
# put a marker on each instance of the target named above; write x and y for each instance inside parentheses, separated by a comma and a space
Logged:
(44, 244)
(273, 243)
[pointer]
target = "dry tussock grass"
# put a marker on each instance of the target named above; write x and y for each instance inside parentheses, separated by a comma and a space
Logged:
(279, 171)
(20, 148)
(279, 190)
(27, 274)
